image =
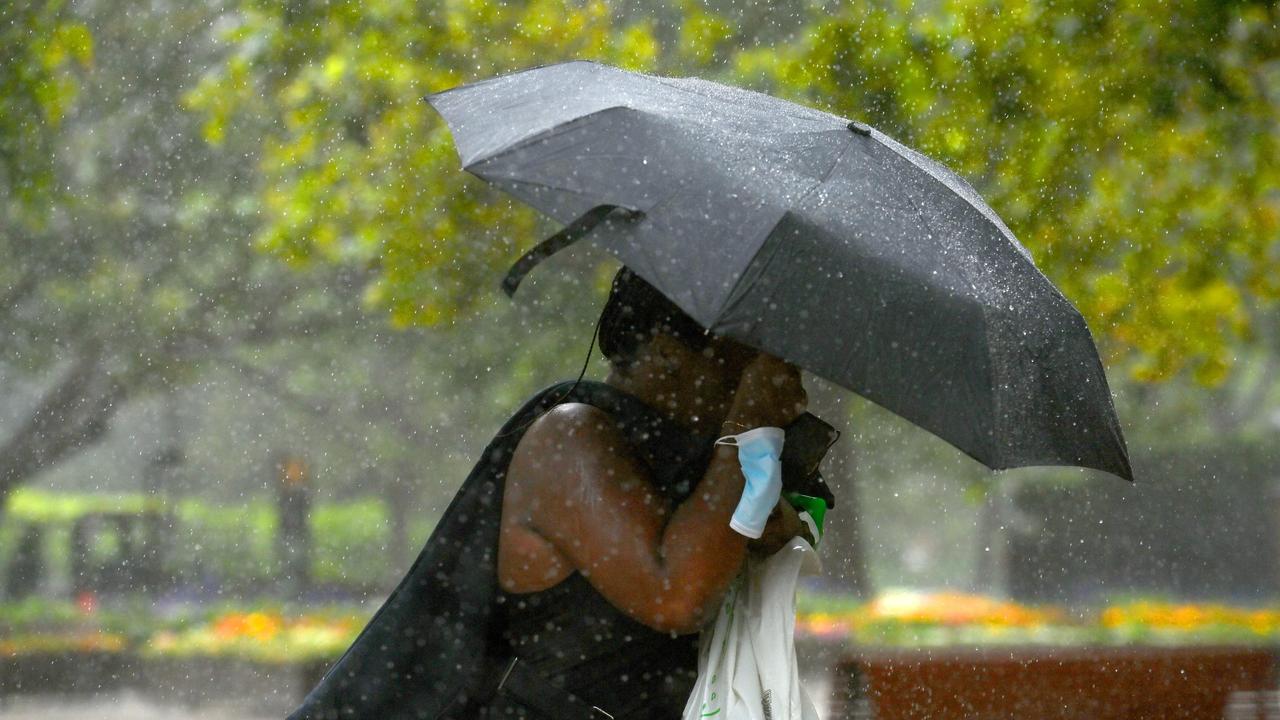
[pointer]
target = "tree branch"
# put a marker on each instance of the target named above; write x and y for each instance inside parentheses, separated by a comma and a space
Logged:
(274, 385)
(19, 291)
(70, 416)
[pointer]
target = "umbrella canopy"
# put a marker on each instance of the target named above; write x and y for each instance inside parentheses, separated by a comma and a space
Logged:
(817, 239)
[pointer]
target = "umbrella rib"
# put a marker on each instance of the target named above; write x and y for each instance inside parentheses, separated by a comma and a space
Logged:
(988, 213)
(831, 170)
(825, 175)
(545, 134)
(932, 232)
(736, 294)
(818, 115)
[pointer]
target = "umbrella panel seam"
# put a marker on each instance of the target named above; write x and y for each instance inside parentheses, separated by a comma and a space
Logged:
(754, 269)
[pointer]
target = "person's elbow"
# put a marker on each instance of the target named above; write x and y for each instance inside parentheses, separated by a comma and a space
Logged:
(679, 616)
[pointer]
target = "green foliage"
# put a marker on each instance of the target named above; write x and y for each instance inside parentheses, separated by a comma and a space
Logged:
(135, 276)
(1131, 146)
(54, 509)
(233, 545)
(358, 168)
(41, 55)
(38, 616)
(37, 613)
(346, 537)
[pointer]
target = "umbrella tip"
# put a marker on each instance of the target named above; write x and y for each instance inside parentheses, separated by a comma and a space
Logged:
(860, 128)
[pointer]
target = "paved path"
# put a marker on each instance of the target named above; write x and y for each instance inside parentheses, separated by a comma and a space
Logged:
(130, 705)
(121, 706)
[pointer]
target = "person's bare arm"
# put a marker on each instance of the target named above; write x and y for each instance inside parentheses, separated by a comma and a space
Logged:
(587, 494)
(593, 501)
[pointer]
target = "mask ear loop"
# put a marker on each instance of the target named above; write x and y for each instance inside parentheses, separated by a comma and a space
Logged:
(566, 393)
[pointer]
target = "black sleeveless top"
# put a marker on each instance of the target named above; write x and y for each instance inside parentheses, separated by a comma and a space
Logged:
(580, 643)
(435, 647)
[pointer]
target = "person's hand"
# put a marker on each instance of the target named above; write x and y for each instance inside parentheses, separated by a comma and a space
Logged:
(784, 524)
(769, 394)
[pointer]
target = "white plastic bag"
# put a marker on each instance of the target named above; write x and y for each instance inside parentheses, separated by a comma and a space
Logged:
(747, 659)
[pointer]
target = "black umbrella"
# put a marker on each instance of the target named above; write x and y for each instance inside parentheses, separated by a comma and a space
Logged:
(819, 240)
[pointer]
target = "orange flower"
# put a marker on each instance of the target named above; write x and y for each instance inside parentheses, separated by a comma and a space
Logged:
(256, 625)
(261, 626)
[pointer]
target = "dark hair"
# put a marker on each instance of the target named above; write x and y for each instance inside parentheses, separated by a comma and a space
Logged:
(635, 312)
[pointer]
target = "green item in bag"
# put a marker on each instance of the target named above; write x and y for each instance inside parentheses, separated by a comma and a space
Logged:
(815, 506)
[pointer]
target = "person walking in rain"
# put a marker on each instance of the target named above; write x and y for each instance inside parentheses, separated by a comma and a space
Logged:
(571, 573)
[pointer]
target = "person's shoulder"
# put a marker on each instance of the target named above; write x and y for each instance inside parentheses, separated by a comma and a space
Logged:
(569, 437)
(573, 419)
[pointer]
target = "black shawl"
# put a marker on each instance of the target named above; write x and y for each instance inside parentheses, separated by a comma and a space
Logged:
(433, 648)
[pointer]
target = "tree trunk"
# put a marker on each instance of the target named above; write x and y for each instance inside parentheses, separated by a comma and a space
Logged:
(844, 555)
(72, 415)
(294, 545)
(991, 573)
(398, 498)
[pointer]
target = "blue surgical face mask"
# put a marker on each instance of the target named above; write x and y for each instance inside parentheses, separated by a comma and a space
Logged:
(759, 454)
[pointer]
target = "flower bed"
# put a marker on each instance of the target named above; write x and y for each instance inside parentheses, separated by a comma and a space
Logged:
(1161, 623)
(57, 648)
(953, 655)
(53, 648)
(270, 656)
(939, 643)
(40, 627)
(61, 643)
(915, 619)
(262, 636)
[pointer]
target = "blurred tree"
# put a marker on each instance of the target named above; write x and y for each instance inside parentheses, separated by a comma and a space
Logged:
(42, 52)
(358, 168)
(138, 273)
(1133, 147)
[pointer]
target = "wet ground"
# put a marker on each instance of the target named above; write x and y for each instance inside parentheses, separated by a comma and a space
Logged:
(132, 705)
(122, 706)
(129, 705)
